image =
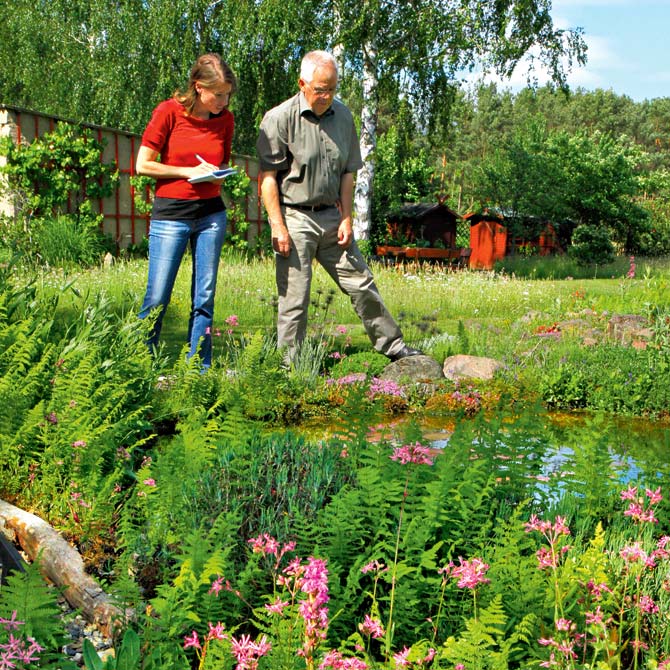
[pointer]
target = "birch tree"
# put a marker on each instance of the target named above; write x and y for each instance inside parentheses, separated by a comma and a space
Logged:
(422, 47)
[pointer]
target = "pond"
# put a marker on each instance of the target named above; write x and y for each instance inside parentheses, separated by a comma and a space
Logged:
(552, 458)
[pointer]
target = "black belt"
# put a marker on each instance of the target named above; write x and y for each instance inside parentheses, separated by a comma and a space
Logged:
(309, 208)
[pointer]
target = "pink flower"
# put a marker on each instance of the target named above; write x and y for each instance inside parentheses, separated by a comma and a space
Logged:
(341, 330)
(412, 453)
(334, 659)
(247, 652)
(232, 320)
(277, 607)
(217, 586)
(78, 443)
(633, 553)
(216, 632)
(401, 658)
(373, 566)
(12, 623)
(629, 494)
(470, 573)
(648, 606)
(149, 482)
(372, 627)
(655, 497)
(192, 641)
(594, 617)
(563, 624)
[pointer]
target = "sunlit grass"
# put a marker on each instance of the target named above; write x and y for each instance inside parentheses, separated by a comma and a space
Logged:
(491, 305)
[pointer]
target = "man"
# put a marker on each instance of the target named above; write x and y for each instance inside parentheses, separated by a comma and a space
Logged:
(309, 152)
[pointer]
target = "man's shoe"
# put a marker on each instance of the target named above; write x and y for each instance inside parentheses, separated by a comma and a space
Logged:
(405, 352)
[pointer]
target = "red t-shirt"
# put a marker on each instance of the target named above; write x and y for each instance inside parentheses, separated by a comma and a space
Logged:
(178, 138)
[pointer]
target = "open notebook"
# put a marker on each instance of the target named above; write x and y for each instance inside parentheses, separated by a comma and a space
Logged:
(211, 176)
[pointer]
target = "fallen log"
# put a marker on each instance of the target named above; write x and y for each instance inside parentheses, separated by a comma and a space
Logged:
(61, 564)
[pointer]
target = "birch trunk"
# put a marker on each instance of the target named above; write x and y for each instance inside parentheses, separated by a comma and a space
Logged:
(368, 143)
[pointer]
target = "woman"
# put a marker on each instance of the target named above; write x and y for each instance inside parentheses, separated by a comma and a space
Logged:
(192, 133)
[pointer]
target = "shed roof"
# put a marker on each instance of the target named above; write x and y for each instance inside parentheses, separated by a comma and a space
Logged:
(419, 210)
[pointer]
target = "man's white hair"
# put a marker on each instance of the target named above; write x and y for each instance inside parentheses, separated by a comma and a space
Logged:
(312, 61)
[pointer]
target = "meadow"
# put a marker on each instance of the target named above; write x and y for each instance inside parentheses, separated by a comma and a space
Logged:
(233, 538)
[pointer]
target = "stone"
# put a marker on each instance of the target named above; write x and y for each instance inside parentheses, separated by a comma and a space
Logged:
(463, 366)
(629, 328)
(419, 369)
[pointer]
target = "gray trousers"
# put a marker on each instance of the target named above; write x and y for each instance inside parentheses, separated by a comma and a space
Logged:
(314, 236)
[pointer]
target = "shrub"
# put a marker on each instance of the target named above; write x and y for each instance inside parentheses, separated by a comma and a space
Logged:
(591, 245)
(60, 172)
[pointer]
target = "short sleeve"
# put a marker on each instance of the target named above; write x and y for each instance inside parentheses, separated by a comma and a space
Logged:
(158, 129)
(272, 145)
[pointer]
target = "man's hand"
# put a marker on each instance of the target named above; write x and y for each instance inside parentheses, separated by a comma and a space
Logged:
(281, 240)
(345, 233)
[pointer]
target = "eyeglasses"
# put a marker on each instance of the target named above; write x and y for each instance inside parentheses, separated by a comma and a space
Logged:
(323, 91)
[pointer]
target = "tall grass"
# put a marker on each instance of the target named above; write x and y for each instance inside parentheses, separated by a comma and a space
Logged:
(492, 305)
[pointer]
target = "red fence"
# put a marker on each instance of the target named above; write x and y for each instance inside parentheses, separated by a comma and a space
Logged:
(120, 218)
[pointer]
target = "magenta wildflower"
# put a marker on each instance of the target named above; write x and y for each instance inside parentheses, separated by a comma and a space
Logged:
(633, 553)
(248, 652)
(412, 453)
(79, 444)
(217, 586)
(648, 606)
(655, 497)
(470, 573)
(564, 624)
(232, 320)
(52, 418)
(341, 330)
(385, 387)
(371, 627)
(149, 482)
(401, 658)
(192, 641)
(216, 632)
(314, 583)
(277, 607)
(12, 623)
(334, 659)
(595, 617)
(374, 566)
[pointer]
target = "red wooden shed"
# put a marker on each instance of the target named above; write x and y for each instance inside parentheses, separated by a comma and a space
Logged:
(488, 239)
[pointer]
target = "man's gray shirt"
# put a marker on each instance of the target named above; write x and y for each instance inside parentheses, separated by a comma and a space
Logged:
(309, 154)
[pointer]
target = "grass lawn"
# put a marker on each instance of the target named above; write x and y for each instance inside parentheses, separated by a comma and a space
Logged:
(494, 308)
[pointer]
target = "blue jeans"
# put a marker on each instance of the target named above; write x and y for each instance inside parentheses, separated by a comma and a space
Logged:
(167, 244)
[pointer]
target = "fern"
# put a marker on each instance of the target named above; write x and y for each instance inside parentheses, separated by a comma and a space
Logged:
(28, 598)
(485, 644)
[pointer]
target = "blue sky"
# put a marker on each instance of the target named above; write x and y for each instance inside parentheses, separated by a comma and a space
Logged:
(629, 46)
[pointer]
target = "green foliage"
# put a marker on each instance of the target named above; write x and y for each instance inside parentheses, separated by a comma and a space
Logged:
(402, 174)
(236, 190)
(60, 172)
(68, 241)
(127, 656)
(612, 378)
(371, 363)
(487, 641)
(592, 245)
(26, 597)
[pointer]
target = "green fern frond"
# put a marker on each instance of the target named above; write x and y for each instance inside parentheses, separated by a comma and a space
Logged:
(35, 603)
